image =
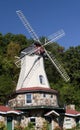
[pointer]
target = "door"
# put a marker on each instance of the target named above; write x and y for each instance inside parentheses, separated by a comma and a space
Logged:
(9, 123)
(49, 123)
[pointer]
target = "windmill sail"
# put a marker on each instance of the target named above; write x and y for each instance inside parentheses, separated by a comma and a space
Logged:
(58, 66)
(27, 25)
(55, 36)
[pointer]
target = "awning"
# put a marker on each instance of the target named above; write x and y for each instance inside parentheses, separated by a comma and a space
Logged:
(72, 113)
(7, 110)
(52, 113)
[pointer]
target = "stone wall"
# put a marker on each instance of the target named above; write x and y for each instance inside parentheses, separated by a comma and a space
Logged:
(69, 123)
(24, 120)
(39, 122)
(38, 99)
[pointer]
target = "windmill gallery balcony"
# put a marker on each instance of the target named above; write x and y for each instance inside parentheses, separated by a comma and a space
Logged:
(34, 100)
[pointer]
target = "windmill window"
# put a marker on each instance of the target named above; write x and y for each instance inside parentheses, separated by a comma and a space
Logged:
(28, 98)
(41, 78)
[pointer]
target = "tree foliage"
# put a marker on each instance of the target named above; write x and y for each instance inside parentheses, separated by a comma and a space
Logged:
(11, 45)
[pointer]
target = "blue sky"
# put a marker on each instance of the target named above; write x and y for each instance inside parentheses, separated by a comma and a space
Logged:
(45, 16)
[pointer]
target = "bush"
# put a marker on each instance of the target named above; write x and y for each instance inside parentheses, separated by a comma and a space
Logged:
(58, 128)
(29, 127)
(18, 127)
(45, 126)
(2, 125)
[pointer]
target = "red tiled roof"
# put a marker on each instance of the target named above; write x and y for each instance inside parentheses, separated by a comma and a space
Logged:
(4, 108)
(8, 110)
(41, 89)
(72, 112)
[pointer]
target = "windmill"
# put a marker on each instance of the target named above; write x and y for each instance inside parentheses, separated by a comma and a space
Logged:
(34, 54)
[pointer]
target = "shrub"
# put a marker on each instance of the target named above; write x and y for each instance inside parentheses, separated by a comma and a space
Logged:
(18, 127)
(2, 125)
(58, 128)
(45, 126)
(30, 126)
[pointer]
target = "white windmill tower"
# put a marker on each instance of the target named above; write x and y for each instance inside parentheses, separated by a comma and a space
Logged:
(32, 72)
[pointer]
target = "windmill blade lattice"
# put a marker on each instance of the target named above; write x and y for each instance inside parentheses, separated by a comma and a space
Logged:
(58, 66)
(27, 25)
(55, 36)
(28, 51)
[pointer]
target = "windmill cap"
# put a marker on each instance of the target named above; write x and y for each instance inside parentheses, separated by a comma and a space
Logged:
(37, 44)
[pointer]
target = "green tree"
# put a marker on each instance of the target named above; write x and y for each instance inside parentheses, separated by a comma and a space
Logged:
(13, 50)
(70, 92)
(6, 87)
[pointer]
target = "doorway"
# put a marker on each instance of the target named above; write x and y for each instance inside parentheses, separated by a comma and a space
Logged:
(9, 123)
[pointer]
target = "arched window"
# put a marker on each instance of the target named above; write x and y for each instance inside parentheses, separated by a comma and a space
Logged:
(41, 78)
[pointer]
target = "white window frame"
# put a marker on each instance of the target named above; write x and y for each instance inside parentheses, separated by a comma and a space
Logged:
(26, 100)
